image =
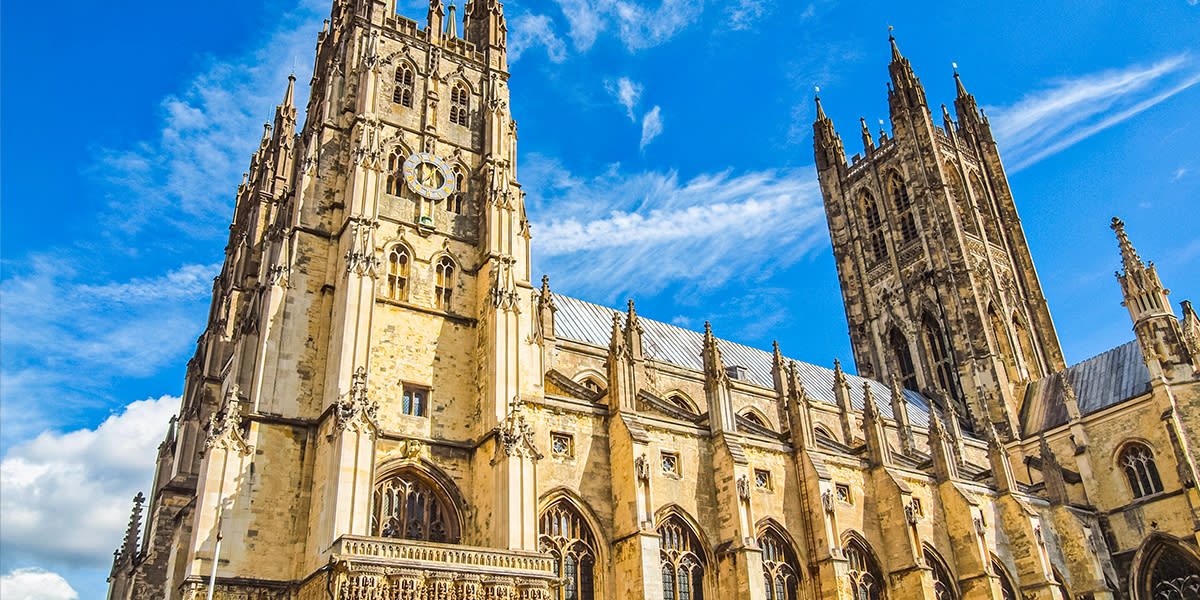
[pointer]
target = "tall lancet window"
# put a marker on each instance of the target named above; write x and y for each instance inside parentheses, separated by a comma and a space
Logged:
(566, 536)
(779, 566)
(875, 243)
(903, 205)
(962, 201)
(397, 273)
(682, 561)
(940, 360)
(459, 104)
(866, 581)
(444, 284)
(904, 362)
(943, 582)
(990, 225)
(403, 92)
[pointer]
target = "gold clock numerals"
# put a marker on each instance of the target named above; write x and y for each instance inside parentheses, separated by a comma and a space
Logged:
(428, 175)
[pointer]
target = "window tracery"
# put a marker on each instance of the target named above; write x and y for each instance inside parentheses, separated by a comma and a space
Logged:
(941, 361)
(1138, 463)
(962, 201)
(908, 373)
(409, 506)
(943, 582)
(682, 561)
(903, 205)
(985, 211)
(876, 244)
(866, 582)
(397, 273)
(459, 104)
(403, 92)
(444, 285)
(1008, 590)
(565, 535)
(1169, 573)
(779, 566)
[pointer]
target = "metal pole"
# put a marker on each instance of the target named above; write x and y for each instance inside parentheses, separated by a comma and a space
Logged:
(212, 579)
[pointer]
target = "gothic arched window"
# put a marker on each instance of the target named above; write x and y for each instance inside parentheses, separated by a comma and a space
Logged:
(444, 286)
(1025, 342)
(962, 201)
(1138, 463)
(397, 273)
(939, 355)
(678, 401)
(943, 583)
(459, 104)
(779, 566)
(682, 561)
(566, 536)
(908, 374)
(985, 210)
(875, 242)
(1168, 572)
(1008, 589)
(754, 417)
(403, 92)
(410, 506)
(866, 581)
(903, 205)
(455, 203)
(395, 169)
(1003, 346)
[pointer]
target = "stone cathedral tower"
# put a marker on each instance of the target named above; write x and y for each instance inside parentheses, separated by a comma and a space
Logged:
(380, 252)
(939, 286)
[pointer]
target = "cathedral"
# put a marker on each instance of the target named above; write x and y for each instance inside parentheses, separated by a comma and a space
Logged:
(386, 404)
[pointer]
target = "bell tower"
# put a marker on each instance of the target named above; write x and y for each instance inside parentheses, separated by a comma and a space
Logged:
(937, 279)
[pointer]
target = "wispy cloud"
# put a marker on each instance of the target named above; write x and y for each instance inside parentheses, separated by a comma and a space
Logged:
(652, 125)
(1179, 173)
(67, 496)
(627, 92)
(638, 26)
(744, 14)
(56, 327)
(205, 138)
(1071, 110)
(617, 232)
(529, 31)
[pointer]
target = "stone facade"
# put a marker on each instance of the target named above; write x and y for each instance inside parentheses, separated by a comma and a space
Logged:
(386, 406)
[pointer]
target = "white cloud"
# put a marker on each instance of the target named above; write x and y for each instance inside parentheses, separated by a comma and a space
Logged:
(528, 31)
(744, 14)
(619, 232)
(637, 26)
(67, 496)
(35, 584)
(627, 92)
(1074, 109)
(652, 125)
(1179, 173)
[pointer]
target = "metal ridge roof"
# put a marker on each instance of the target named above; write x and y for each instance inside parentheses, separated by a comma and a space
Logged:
(590, 323)
(1101, 381)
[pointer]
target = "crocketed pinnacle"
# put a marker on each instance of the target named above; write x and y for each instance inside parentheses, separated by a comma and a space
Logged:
(1129, 255)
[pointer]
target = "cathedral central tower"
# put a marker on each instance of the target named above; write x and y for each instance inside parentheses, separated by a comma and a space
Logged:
(937, 279)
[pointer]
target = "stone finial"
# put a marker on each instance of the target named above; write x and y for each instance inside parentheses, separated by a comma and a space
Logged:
(451, 22)
(1070, 400)
(958, 84)
(616, 340)
(868, 141)
(545, 296)
(895, 49)
(820, 109)
(129, 548)
(633, 331)
(1056, 486)
(900, 413)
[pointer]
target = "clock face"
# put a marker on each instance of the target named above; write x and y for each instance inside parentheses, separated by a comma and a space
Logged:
(429, 176)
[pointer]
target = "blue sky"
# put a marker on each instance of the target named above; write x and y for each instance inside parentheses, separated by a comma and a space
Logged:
(667, 152)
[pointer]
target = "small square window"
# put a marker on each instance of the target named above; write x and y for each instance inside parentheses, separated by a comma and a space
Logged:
(562, 444)
(762, 479)
(843, 493)
(415, 401)
(917, 508)
(670, 463)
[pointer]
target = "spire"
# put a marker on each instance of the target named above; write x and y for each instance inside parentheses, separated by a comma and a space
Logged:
(1129, 256)
(841, 392)
(873, 431)
(714, 365)
(941, 446)
(907, 91)
(451, 23)
(900, 413)
(616, 340)
(868, 142)
(129, 548)
(289, 97)
(968, 112)
(633, 332)
(958, 84)
(827, 145)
